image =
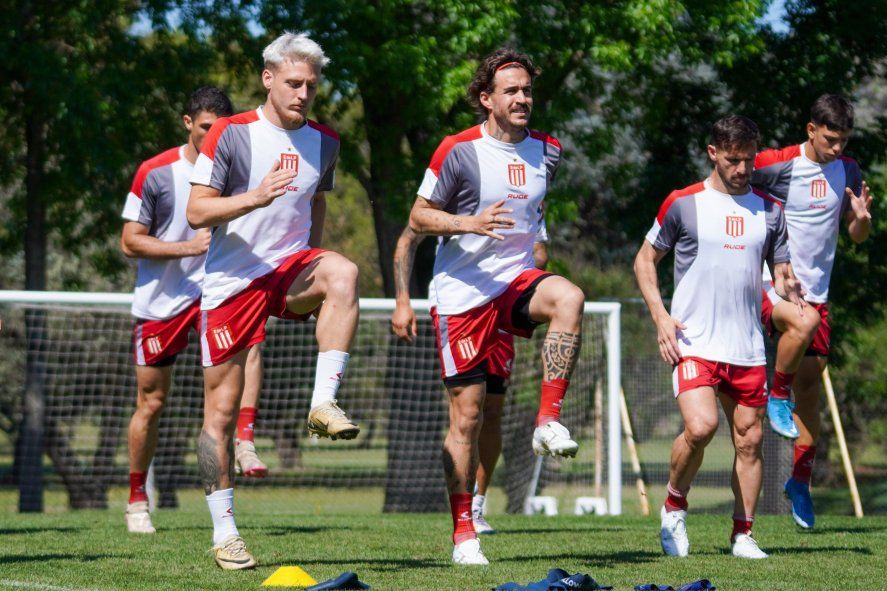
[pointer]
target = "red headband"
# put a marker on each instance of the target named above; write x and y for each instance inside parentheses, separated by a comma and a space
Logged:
(507, 64)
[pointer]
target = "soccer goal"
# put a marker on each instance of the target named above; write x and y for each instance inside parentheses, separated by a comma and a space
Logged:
(67, 391)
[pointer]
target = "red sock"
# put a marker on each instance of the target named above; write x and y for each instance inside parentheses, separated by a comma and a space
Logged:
(551, 400)
(803, 466)
(246, 421)
(463, 528)
(137, 487)
(741, 525)
(677, 499)
(782, 385)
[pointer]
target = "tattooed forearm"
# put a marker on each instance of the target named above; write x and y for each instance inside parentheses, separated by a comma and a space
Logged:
(559, 352)
(208, 462)
(404, 254)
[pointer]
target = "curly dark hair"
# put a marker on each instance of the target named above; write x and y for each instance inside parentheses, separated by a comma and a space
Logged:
(734, 131)
(505, 57)
(211, 100)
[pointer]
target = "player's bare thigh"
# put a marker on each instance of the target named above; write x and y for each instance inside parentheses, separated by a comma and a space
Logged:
(329, 273)
(153, 385)
(699, 410)
(555, 296)
(745, 421)
(224, 388)
(785, 317)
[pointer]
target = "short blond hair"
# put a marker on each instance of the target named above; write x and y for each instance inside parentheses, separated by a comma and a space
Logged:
(294, 47)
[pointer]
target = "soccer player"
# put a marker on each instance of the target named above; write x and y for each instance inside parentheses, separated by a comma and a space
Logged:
(818, 187)
(403, 324)
(260, 181)
(166, 303)
(721, 231)
(483, 194)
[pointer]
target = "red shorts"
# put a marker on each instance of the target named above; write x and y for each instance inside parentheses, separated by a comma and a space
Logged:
(157, 340)
(483, 334)
(822, 338)
(239, 322)
(746, 385)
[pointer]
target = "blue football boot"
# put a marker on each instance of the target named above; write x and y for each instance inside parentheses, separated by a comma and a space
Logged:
(779, 411)
(802, 505)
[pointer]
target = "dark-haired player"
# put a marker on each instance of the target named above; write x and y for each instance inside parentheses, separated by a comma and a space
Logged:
(818, 187)
(482, 194)
(721, 231)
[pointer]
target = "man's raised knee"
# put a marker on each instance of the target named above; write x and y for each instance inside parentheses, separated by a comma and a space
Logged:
(699, 432)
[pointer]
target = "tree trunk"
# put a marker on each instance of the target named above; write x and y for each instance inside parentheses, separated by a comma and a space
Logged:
(29, 447)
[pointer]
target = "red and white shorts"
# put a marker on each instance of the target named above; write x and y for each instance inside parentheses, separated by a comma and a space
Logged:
(239, 322)
(483, 334)
(747, 385)
(155, 341)
(822, 338)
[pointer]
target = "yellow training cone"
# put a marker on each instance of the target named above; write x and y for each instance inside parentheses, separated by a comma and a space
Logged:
(289, 576)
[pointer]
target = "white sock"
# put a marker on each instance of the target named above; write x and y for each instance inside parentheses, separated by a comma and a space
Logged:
(330, 368)
(221, 509)
(477, 504)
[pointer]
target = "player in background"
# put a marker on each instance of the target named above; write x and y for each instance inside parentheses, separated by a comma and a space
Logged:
(167, 295)
(482, 194)
(722, 231)
(260, 181)
(819, 187)
(403, 324)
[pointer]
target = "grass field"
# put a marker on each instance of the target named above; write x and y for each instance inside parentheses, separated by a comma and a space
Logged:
(328, 532)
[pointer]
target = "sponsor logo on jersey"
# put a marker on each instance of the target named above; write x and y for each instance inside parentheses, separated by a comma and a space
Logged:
(467, 350)
(223, 337)
(153, 345)
(818, 189)
(517, 175)
(518, 196)
(290, 162)
(689, 371)
(735, 226)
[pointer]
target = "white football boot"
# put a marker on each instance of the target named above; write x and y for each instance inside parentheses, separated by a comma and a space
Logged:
(745, 546)
(247, 461)
(469, 553)
(553, 439)
(673, 534)
(138, 520)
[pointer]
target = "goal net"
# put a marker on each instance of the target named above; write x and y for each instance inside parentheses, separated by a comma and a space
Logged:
(67, 392)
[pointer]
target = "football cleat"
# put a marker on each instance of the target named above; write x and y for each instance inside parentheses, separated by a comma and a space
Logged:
(469, 553)
(745, 546)
(481, 527)
(232, 554)
(246, 460)
(138, 520)
(779, 411)
(802, 505)
(673, 533)
(553, 439)
(328, 420)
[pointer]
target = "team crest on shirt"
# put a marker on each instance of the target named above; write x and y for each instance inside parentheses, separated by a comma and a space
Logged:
(735, 226)
(517, 175)
(222, 336)
(466, 347)
(153, 345)
(290, 162)
(818, 189)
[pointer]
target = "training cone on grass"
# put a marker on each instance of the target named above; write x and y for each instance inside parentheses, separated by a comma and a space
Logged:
(289, 576)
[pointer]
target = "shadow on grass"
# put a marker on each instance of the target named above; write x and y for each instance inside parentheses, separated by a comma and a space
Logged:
(13, 559)
(850, 529)
(11, 531)
(559, 529)
(597, 559)
(382, 564)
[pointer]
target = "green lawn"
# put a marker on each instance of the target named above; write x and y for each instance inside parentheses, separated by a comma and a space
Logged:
(327, 532)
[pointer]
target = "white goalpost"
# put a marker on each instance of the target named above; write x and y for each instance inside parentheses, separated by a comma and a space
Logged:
(69, 375)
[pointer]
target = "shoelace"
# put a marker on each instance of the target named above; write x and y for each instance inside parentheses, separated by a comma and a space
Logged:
(331, 411)
(236, 547)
